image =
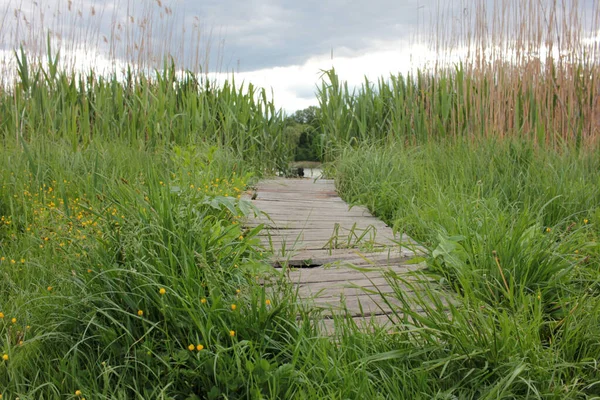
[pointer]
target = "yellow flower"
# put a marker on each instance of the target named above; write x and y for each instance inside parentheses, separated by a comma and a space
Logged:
(199, 347)
(548, 229)
(233, 307)
(22, 261)
(49, 288)
(78, 393)
(576, 251)
(237, 291)
(203, 301)
(241, 237)
(89, 271)
(232, 333)
(5, 357)
(140, 313)
(191, 347)
(585, 221)
(268, 302)
(162, 291)
(14, 320)
(1, 315)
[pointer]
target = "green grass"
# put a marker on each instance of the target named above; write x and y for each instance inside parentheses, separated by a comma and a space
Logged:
(125, 272)
(106, 227)
(511, 234)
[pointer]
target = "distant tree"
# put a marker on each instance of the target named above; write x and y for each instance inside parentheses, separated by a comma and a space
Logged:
(307, 116)
(303, 125)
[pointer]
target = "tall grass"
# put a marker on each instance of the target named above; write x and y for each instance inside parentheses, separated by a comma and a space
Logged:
(148, 111)
(512, 244)
(524, 70)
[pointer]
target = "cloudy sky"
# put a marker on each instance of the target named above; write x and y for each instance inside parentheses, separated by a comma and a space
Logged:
(281, 45)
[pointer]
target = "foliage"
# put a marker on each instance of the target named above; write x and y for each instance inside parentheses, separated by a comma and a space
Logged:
(303, 126)
(148, 111)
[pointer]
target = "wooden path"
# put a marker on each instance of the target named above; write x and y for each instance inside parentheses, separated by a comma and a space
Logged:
(312, 230)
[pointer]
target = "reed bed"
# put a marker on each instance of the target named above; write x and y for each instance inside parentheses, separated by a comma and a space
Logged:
(524, 70)
(149, 111)
(125, 271)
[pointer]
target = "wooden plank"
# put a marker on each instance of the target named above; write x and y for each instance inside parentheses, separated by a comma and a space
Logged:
(303, 218)
(321, 224)
(340, 233)
(344, 274)
(333, 240)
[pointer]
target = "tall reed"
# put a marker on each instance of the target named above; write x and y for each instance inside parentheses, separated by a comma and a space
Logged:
(514, 70)
(168, 107)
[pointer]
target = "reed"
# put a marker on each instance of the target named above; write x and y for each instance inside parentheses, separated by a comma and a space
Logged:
(524, 70)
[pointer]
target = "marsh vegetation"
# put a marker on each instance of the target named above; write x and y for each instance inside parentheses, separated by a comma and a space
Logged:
(126, 272)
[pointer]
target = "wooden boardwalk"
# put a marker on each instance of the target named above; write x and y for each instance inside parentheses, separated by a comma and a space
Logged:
(310, 229)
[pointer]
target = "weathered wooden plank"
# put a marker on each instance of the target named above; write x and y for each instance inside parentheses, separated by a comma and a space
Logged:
(345, 274)
(340, 233)
(321, 224)
(307, 223)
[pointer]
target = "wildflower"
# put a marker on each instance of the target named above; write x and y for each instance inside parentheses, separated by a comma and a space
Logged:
(5, 357)
(140, 313)
(191, 347)
(241, 237)
(232, 333)
(203, 300)
(237, 291)
(585, 221)
(1, 315)
(13, 262)
(548, 229)
(22, 261)
(89, 271)
(233, 307)
(49, 288)
(199, 347)
(14, 320)
(162, 291)
(576, 251)
(268, 302)
(78, 393)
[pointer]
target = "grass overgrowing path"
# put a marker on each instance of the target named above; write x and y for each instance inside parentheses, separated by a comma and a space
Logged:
(337, 254)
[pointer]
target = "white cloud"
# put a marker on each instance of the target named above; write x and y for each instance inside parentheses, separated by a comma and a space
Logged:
(291, 84)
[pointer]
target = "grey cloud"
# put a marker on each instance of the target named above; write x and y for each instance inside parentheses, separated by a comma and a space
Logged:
(257, 33)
